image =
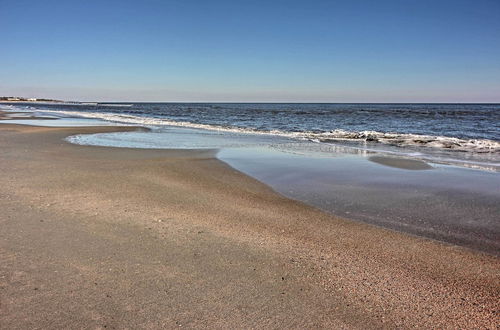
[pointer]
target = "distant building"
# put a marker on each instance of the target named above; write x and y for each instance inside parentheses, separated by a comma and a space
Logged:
(13, 99)
(31, 99)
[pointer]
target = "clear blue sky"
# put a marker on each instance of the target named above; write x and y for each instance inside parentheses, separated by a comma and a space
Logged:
(311, 51)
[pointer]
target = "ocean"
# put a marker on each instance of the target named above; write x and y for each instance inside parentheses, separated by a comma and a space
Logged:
(461, 134)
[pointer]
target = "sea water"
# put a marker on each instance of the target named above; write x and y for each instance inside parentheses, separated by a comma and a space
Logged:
(464, 134)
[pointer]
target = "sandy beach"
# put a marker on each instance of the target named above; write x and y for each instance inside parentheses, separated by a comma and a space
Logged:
(97, 237)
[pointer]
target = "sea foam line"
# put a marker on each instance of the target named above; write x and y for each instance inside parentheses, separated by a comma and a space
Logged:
(396, 139)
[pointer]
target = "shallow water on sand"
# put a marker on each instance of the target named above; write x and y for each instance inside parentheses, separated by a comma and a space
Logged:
(451, 204)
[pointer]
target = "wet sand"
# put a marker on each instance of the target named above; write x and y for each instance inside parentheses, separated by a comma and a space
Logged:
(450, 204)
(96, 237)
(402, 163)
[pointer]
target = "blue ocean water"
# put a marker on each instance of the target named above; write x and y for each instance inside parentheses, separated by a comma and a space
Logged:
(465, 132)
(463, 121)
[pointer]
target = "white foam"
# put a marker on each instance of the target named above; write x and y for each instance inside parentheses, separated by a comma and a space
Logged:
(397, 139)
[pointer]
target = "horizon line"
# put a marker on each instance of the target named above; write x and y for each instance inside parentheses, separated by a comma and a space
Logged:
(236, 102)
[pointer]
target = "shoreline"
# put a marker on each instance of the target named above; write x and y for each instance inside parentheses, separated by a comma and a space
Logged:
(432, 147)
(342, 186)
(179, 237)
(434, 203)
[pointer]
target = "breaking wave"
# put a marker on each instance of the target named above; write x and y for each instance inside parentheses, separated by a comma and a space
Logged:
(394, 139)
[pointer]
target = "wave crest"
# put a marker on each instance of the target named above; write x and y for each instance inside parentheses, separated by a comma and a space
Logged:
(395, 139)
(400, 139)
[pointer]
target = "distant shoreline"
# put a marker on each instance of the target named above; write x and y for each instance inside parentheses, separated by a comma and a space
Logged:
(41, 101)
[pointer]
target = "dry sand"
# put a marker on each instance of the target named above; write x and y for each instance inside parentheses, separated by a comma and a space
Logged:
(95, 237)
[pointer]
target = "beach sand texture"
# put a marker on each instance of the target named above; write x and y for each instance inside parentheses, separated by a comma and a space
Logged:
(95, 237)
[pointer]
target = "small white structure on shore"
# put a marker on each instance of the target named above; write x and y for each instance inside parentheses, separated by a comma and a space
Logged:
(32, 99)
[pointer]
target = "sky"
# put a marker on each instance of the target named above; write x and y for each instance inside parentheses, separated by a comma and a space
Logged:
(251, 51)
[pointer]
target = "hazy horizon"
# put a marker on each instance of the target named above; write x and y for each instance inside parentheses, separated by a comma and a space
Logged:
(40, 99)
(273, 99)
